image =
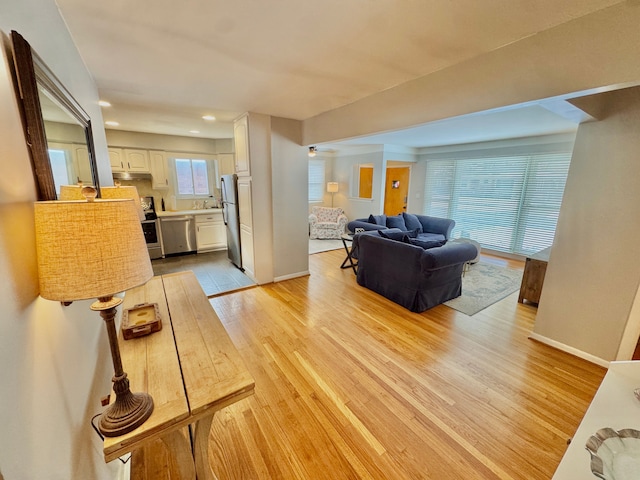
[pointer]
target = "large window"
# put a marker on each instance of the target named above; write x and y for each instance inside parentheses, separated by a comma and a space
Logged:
(508, 203)
(192, 177)
(316, 180)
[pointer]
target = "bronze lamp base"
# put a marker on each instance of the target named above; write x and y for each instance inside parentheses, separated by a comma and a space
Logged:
(129, 410)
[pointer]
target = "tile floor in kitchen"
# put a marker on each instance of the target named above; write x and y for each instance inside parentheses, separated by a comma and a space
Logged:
(213, 270)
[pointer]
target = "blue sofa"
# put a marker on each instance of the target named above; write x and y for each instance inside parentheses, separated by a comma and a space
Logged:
(429, 228)
(408, 274)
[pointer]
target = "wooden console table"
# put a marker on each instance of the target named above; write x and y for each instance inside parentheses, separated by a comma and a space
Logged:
(190, 368)
(535, 268)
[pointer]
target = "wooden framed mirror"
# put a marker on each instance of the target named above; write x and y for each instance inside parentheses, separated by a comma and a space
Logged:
(58, 130)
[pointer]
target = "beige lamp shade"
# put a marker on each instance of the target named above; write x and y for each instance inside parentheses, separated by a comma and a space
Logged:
(123, 191)
(332, 187)
(71, 192)
(89, 249)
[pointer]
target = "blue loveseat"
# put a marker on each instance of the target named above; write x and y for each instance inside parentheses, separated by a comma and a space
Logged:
(426, 227)
(408, 274)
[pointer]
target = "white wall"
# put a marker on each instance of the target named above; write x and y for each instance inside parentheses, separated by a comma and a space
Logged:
(595, 51)
(343, 164)
(594, 269)
(261, 196)
(290, 170)
(55, 360)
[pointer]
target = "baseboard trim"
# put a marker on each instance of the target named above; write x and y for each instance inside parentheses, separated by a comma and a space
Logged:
(571, 350)
(291, 275)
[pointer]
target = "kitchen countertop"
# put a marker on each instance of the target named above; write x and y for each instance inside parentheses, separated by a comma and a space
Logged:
(200, 211)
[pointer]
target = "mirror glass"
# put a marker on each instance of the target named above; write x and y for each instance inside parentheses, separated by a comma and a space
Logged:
(66, 144)
(58, 130)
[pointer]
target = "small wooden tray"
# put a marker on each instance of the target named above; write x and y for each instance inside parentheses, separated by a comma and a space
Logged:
(140, 320)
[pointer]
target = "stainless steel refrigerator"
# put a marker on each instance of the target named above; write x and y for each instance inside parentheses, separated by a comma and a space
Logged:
(229, 188)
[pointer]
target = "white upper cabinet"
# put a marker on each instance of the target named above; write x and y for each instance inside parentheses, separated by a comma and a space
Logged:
(137, 160)
(159, 171)
(82, 165)
(241, 143)
(226, 165)
(116, 158)
(129, 160)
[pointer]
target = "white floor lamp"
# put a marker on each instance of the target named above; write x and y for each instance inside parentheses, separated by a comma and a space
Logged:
(332, 187)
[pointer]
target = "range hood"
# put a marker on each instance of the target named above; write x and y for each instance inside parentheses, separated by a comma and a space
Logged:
(131, 176)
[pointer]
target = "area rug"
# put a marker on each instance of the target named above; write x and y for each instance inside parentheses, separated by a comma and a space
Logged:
(318, 245)
(483, 285)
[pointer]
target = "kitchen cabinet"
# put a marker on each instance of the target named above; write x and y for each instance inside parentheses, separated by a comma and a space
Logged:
(116, 159)
(210, 232)
(246, 226)
(76, 167)
(226, 164)
(129, 160)
(159, 170)
(81, 164)
(241, 144)
(246, 242)
(137, 161)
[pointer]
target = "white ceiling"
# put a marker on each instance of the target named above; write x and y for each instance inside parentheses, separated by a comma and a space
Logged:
(163, 64)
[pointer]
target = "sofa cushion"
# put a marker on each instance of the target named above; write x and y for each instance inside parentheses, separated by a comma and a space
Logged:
(392, 234)
(412, 222)
(397, 222)
(426, 243)
(413, 233)
(433, 237)
(378, 219)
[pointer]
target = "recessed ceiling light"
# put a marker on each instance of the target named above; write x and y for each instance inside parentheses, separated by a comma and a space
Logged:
(104, 103)
(209, 117)
(194, 131)
(111, 123)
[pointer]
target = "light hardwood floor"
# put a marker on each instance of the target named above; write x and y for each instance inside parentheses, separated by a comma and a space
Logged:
(352, 386)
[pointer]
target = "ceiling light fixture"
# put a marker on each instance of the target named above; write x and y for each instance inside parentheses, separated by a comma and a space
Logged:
(104, 103)
(111, 123)
(209, 118)
(313, 151)
(194, 131)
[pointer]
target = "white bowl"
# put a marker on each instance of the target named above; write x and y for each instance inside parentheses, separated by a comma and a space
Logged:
(615, 455)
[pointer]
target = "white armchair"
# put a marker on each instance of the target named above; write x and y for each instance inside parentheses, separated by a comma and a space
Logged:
(327, 222)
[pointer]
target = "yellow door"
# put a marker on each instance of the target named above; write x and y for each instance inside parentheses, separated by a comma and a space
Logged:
(396, 190)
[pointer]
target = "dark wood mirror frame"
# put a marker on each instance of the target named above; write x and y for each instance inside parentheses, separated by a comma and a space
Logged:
(32, 72)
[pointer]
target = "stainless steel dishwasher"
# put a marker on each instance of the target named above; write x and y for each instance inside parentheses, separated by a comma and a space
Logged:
(178, 234)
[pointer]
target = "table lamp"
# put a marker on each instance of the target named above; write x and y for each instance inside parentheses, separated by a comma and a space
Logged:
(71, 192)
(123, 191)
(332, 187)
(95, 249)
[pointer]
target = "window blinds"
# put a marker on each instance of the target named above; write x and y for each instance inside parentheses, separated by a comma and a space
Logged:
(508, 203)
(316, 180)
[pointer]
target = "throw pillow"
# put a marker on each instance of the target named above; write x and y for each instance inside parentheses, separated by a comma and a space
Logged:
(378, 219)
(392, 234)
(413, 233)
(396, 222)
(412, 222)
(426, 244)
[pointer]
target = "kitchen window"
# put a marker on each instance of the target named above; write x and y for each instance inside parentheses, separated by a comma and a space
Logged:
(192, 177)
